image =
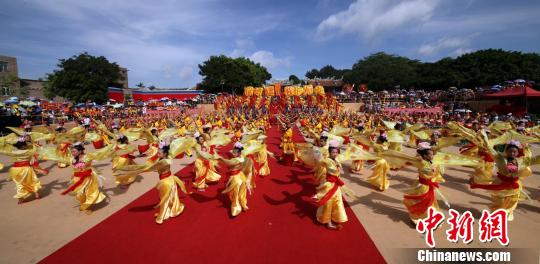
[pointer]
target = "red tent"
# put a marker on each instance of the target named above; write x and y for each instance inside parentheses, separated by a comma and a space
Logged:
(522, 91)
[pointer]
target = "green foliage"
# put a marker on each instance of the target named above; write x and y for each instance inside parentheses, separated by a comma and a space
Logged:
(484, 67)
(327, 71)
(383, 71)
(83, 77)
(225, 74)
(294, 79)
(9, 83)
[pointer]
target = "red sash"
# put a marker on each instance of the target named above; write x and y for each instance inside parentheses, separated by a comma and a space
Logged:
(81, 175)
(36, 161)
(65, 147)
(507, 183)
(153, 158)
(143, 148)
(128, 156)
(164, 175)
(256, 166)
(466, 147)
(486, 156)
(365, 147)
(234, 172)
(426, 199)
(337, 183)
(98, 144)
(19, 164)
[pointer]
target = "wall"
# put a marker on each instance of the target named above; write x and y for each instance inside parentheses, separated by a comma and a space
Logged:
(12, 70)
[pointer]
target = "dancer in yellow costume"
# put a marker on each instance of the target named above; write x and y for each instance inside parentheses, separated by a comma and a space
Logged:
(123, 156)
(170, 204)
(331, 210)
(424, 194)
(22, 171)
(360, 131)
(506, 188)
(379, 176)
(205, 164)
(262, 157)
(182, 131)
(321, 149)
(85, 184)
(239, 183)
(476, 148)
(64, 140)
(287, 145)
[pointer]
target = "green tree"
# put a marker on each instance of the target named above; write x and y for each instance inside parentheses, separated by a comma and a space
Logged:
(494, 66)
(83, 77)
(140, 85)
(384, 71)
(312, 74)
(329, 71)
(225, 74)
(294, 79)
(326, 72)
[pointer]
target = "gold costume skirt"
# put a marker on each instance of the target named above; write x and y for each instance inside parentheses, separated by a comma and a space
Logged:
(412, 141)
(419, 190)
(205, 171)
(507, 200)
(288, 147)
(236, 189)
(88, 193)
(264, 170)
(357, 165)
(334, 209)
(124, 179)
(379, 177)
(169, 202)
(26, 181)
(63, 151)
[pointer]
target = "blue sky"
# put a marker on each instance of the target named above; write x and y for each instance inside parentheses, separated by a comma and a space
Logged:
(162, 42)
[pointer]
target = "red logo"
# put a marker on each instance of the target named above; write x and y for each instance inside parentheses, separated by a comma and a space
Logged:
(430, 223)
(461, 226)
(494, 226)
(491, 226)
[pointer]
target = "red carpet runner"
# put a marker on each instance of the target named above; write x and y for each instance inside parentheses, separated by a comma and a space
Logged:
(280, 227)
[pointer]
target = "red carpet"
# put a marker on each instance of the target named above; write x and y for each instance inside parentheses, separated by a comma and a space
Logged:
(280, 227)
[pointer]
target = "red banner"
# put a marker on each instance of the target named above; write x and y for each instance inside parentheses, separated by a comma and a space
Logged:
(433, 110)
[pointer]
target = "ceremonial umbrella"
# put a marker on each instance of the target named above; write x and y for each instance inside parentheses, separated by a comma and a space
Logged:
(27, 103)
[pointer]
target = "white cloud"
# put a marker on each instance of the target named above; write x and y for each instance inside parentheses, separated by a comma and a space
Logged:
(443, 44)
(147, 61)
(185, 73)
(158, 43)
(267, 59)
(241, 47)
(370, 18)
(461, 51)
(149, 19)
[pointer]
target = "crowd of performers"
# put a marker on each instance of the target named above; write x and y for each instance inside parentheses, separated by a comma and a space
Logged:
(498, 151)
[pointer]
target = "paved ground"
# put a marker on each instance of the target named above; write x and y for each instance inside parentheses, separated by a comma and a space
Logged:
(35, 229)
